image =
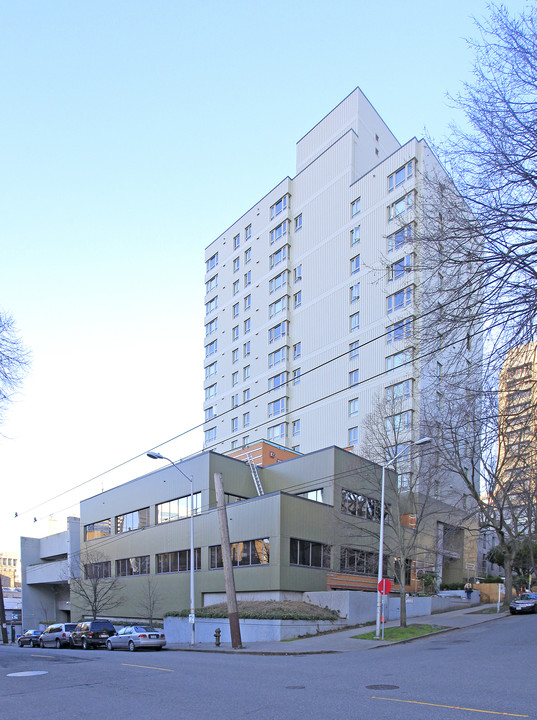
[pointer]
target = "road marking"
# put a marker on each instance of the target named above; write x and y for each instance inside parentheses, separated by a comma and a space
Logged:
(149, 667)
(28, 673)
(42, 656)
(451, 707)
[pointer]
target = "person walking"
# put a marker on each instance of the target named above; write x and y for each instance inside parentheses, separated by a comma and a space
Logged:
(468, 590)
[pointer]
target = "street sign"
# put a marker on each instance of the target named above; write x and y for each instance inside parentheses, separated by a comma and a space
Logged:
(384, 587)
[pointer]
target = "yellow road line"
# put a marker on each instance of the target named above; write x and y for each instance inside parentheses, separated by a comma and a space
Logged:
(149, 667)
(451, 707)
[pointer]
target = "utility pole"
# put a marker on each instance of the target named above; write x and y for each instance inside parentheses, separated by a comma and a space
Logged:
(231, 596)
(3, 615)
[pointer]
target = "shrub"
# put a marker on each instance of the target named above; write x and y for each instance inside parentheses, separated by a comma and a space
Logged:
(264, 610)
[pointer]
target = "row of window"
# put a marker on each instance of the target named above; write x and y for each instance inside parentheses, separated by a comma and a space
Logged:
(360, 506)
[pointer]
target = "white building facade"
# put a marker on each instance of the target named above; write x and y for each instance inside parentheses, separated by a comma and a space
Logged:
(313, 295)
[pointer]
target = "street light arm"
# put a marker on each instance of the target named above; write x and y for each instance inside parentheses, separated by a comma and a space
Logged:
(158, 456)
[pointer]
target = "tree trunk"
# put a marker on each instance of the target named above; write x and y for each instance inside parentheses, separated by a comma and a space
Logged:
(508, 567)
(402, 595)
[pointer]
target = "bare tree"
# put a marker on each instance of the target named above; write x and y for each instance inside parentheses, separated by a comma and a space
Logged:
(151, 599)
(14, 361)
(92, 583)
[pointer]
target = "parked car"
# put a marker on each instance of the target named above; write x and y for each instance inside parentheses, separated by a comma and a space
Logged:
(134, 637)
(57, 635)
(524, 603)
(91, 633)
(30, 637)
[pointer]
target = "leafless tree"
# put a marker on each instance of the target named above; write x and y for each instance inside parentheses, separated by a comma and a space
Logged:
(14, 361)
(151, 599)
(92, 584)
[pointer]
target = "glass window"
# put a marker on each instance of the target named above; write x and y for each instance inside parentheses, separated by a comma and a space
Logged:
(355, 322)
(399, 300)
(211, 370)
(298, 273)
(178, 561)
(278, 306)
(133, 566)
(278, 207)
(296, 427)
(277, 381)
(210, 435)
(177, 509)
(355, 207)
(277, 407)
(355, 292)
(211, 348)
(96, 530)
(399, 391)
(279, 256)
(236, 264)
(209, 413)
(246, 349)
(234, 424)
(212, 262)
(278, 282)
(278, 356)
(398, 239)
(248, 232)
(235, 333)
(132, 521)
(353, 436)
(235, 355)
(277, 432)
(279, 232)
(298, 223)
(247, 256)
(236, 241)
(235, 312)
(278, 331)
(399, 330)
(308, 553)
(210, 391)
(298, 299)
(247, 326)
(353, 407)
(354, 350)
(297, 350)
(355, 235)
(355, 264)
(249, 552)
(211, 327)
(247, 302)
(394, 362)
(247, 278)
(296, 376)
(211, 284)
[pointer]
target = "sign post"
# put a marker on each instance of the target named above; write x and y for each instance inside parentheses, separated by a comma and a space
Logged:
(384, 588)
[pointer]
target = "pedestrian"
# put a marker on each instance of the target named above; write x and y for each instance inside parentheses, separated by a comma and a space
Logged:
(468, 590)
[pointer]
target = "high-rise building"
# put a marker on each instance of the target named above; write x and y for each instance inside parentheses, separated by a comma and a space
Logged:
(313, 296)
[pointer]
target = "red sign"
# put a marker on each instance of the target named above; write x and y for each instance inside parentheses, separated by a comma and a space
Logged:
(384, 587)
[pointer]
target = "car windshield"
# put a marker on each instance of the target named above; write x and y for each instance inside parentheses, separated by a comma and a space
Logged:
(141, 629)
(70, 626)
(101, 626)
(527, 596)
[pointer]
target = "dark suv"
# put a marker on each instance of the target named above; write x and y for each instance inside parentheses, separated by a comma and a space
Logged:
(91, 633)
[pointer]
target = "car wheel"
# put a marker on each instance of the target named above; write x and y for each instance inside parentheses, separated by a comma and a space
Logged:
(85, 645)
(159, 647)
(71, 643)
(132, 647)
(58, 644)
(109, 645)
(35, 644)
(512, 612)
(41, 644)
(19, 643)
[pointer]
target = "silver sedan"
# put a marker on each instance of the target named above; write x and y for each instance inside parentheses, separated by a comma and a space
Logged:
(134, 637)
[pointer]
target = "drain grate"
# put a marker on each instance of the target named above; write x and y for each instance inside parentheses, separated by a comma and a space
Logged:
(295, 687)
(382, 687)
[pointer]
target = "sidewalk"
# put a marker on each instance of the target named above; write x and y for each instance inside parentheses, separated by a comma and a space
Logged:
(341, 641)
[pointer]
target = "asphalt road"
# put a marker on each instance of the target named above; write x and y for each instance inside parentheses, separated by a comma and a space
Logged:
(486, 671)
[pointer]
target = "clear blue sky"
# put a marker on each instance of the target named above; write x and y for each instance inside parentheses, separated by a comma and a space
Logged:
(133, 133)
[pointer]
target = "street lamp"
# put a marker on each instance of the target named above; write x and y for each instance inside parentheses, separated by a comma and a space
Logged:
(386, 465)
(192, 616)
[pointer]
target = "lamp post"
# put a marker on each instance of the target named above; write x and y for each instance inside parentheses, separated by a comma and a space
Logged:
(192, 616)
(386, 465)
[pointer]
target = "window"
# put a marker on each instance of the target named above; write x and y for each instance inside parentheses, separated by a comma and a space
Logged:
(234, 401)
(353, 407)
(399, 300)
(211, 370)
(298, 273)
(211, 327)
(236, 287)
(355, 207)
(235, 310)
(277, 407)
(315, 495)
(399, 268)
(249, 552)
(245, 440)
(308, 553)
(400, 206)
(354, 378)
(247, 326)
(354, 350)
(278, 207)
(439, 370)
(234, 379)
(246, 420)
(278, 331)
(236, 241)
(398, 239)
(355, 292)
(439, 401)
(398, 422)
(246, 349)
(277, 432)
(211, 348)
(296, 376)
(440, 281)
(355, 235)
(210, 435)
(209, 413)
(296, 428)
(236, 264)
(210, 391)
(298, 299)
(248, 232)
(133, 566)
(279, 256)
(96, 530)
(235, 355)
(178, 561)
(234, 424)
(278, 356)
(278, 306)
(399, 330)
(279, 232)
(92, 571)
(355, 264)
(360, 506)
(355, 322)
(212, 262)
(235, 333)
(247, 302)
(246, 372)
(298, 223)
(247, 256)
(399, 391)
(399, 176)
(246, 395)
(211, 284)
(404, 481)
(277, 381)
(393, 362)
(353, 436)
(278, 282)
(177, 509)
(247, 278)
(362, 562)
(297, 350)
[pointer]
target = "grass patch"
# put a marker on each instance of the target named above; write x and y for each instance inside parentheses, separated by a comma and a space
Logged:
(393, 634)
(265, 610)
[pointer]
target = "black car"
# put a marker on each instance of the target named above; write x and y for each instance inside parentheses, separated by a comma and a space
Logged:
(91, 633)
(524, 603)
(30, 637)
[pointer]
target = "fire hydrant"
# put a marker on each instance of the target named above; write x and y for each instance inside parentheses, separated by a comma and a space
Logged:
(217, 633)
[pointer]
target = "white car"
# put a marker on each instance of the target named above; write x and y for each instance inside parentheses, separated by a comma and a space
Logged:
(57, 635)
(134, 637)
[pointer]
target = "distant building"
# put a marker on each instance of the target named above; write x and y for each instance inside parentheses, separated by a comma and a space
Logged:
(10, 572)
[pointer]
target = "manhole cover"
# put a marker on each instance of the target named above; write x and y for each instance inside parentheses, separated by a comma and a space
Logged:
(382, 687)
(28, 673)
(295, 687)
